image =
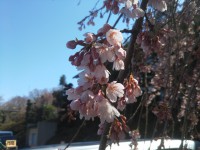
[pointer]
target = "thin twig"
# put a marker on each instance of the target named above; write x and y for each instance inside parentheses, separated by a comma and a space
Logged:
(126, 40)
(109, 17)
(116, 22)
(146, 122)
(75, 135)
(95, 5)
(187, 110)
(91, 13)
(131, 118)
(140, 116)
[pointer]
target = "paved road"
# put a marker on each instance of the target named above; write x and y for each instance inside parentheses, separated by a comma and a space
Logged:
(74, 146)
(125, 145)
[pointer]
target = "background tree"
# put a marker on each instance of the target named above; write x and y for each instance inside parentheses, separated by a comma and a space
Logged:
(2, 114)
(61, 101)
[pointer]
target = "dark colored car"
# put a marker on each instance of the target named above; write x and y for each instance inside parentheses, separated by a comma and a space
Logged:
(7, 138)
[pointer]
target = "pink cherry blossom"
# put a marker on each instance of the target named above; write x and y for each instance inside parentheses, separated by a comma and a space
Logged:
(131, 98)
(72, 95)
(75, 104)
(88, 110)
(121, 104)
(158, 4)
(86, 79)
(114, 90)
(104, 29)
(132, 90)
(121, 53)
(105, 110)
(114, 37)
(128, 4)
(127, 12)
(118, 64)
(101, 74)
(89, 37)
(86, 96)
(102, 50)
(111, 54)
(86, 60)
(137, 12)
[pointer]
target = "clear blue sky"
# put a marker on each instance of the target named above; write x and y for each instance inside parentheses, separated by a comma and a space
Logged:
(33, 34)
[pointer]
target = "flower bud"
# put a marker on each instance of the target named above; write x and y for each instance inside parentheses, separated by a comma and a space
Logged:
(71, 44)
(75, 104)
(115, 10)
(71, 58)
(104, 29)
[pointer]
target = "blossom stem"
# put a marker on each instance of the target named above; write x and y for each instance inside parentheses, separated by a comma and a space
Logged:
(75, 135)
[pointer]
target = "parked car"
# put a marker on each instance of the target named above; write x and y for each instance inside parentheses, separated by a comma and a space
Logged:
(8, 140)
(170, 144)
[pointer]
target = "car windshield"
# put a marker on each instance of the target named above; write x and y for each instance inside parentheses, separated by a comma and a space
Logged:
(5, 134)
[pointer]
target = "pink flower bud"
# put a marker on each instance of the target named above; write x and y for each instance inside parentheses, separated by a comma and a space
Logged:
(104, 29)
(71, 44)
(71, 58)
(75, 104)
(89, 37)
(108, 4)
(115, 10)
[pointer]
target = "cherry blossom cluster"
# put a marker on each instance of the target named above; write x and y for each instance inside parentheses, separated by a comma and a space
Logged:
(95, 95)
(132, 91)
(162, 111)
(168, 67)
(130, 8)
(151, 41)
(118, 129)
(135, 135)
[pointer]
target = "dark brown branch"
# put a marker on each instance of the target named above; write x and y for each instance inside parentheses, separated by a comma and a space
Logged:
(126, 31)
(109, 16)
(104, 137)
(136, 29)
(122, 74)
(151, 26)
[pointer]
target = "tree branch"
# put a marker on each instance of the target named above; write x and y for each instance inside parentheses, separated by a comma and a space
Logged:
(135, 31)
(104, 137)
(123, 73)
